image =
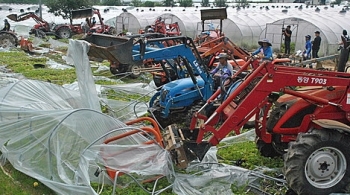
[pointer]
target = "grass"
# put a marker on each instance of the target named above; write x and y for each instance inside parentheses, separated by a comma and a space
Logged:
(15, 182)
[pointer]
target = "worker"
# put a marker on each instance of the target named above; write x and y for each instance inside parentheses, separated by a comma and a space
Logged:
(264, 52)
(7, 25)
(150, 30)
(316, 44)
(307, 50)
(93, 22)
(222, 71)
(85, 26)
(345, 38)
(287, 38)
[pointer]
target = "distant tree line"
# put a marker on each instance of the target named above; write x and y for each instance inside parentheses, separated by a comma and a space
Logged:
(63, 7)
(136, 3)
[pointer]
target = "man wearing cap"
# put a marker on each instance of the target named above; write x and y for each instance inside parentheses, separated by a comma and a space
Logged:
(316, 44)
(223, 70)
(287, 38)
(265, 50)
(345, 38)
(307, 51)
(7, 25)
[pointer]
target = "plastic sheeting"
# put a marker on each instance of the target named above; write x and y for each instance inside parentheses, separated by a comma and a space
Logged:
(49, 133)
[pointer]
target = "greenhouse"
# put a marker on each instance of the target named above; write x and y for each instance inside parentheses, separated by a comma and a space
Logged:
(244, 26)
(188, 22)
(305, 22)
(134, 21)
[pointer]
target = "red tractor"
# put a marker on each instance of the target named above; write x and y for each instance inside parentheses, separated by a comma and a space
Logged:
(161, 27)
(90, 15)
(301, 113)
(43, 28)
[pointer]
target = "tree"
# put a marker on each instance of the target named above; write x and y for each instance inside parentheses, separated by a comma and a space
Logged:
(148, 4)
(220, 3)
(205, 3)
(186, 3)
(168, 3)
(136, 3)
(64, 7)
(112, 2)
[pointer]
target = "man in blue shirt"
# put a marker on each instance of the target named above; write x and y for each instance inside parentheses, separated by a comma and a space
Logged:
(307, 51)
(265, 50)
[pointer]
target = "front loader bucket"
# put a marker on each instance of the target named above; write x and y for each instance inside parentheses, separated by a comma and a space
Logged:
(112, 48)
(13, 17)
(82, 13)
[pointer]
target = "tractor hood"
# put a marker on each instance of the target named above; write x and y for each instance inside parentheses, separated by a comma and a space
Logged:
(184, 90)
(183, 84)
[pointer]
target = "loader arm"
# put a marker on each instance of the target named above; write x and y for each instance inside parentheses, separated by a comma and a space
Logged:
(26, 16)
(219, 44)
(256, 90)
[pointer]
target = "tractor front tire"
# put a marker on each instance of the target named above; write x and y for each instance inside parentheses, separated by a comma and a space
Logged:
(135, 70)
(318, 162)
(266, 149)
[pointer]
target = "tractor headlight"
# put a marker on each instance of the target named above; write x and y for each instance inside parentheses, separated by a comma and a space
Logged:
(163, 95)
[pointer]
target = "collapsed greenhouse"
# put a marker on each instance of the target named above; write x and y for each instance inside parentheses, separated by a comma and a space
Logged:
(61, 138)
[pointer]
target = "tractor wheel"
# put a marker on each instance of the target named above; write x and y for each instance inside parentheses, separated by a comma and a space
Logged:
(318, 162)
(195, 108)
(266, 149)
(8, 40)
(112, 31)
(113, 70)
(163, 122)
(40, 34)
(64, 32)
(135, 70)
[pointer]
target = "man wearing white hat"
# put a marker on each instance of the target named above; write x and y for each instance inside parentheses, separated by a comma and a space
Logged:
(223, 70)
(265, 50)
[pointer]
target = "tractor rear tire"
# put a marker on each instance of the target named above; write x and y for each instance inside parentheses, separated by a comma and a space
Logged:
(64, 32)
(318, 162)
(8, 40)
(112, 31)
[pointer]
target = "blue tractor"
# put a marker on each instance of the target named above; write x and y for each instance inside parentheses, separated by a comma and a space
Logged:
(188, 84)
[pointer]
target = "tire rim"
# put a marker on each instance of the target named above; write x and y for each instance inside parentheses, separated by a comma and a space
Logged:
(64, 35)
(136, 70)
(6, 43)
(325, 167)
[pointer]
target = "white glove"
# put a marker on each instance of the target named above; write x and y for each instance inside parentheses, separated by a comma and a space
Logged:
(305, 55)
